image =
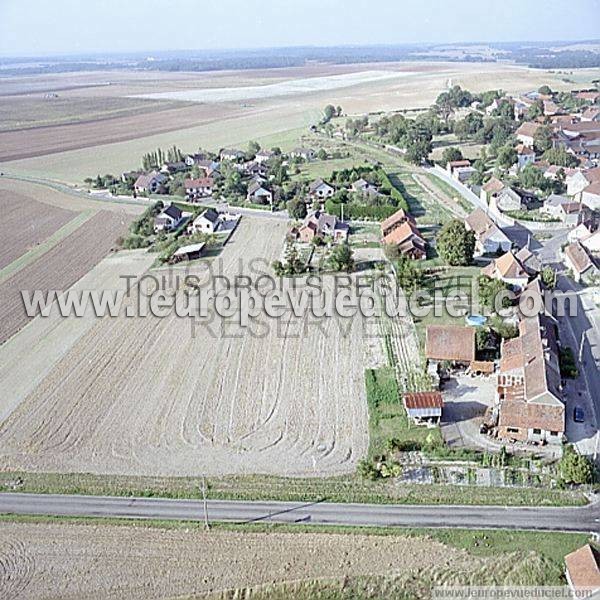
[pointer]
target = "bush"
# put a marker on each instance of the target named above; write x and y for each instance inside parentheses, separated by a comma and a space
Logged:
(574, 468)
(568, 367)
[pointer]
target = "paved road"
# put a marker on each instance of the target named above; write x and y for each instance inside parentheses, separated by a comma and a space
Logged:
(585, 519)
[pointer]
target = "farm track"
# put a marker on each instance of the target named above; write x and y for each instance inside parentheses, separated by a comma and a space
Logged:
(59, 268)
(286, 397)
(26, 223)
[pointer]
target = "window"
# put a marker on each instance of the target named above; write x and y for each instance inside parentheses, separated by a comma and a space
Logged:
(537, 431)
(512, 429)
(554, 433)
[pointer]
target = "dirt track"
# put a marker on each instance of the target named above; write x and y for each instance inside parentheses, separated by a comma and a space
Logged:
(152, 399)
(47, 561)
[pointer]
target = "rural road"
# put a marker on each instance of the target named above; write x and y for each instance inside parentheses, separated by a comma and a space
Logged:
(585, 519)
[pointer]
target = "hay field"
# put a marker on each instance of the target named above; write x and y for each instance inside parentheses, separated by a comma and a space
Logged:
(120, 143)
(150, 398)
(68, 560)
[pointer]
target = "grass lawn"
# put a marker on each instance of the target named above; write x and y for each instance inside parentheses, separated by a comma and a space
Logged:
(449, 191)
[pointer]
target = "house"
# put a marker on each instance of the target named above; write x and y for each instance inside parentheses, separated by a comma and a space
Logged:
(489, 238)
(408, 239)
(529, 261)
(190, 252)
(259, 194)
(450, 343)
(511, 199)
(263, 156)
(580, 233)
(508, 269)
(529, 385)
(208, 221)
(150, 183)
(231, 154)
(198, 188)
(552, 172)
(254, 168)
(424, 407)
(320, 224)
(170, 218)
(592, 242)
(552, 204)
(306, 154)
(463, 174)
(590, 196)
(454, 164)
(571, 213)
(582, 571)
(362, 186)
(526, 133)
(578, 260)
(395, 220)
(491, 189)
(320, 189)
(525, 156)
(169, 168)
(591, 113)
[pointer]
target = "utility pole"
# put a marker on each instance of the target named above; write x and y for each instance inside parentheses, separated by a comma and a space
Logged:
(203, 490)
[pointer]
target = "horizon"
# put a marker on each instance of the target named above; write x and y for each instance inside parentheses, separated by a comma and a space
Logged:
(64, 28)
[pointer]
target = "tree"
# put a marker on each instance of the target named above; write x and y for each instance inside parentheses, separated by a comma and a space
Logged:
(328, 113)
(293, 264)
(532, 178)
(560, 157)
(342, 258)
(542, 139)
(409, 276)
(253, 148)
(417, 151)
(545, 90)
(297, 208)
(507, 157)
(322, 154)
(489, 289)
(548, 276)
(450, 154)
(455, 244)
(575, 468)
(338, 111)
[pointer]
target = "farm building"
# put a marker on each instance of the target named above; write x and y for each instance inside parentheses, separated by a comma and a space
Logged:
(190, 252)
(424, 407)
(450, 344)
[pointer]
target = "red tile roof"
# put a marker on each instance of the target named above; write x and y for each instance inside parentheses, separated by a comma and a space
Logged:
(583, 568)
(423, 400)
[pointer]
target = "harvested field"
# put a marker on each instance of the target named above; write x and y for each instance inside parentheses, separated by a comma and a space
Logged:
(116, 144)
(59, 268)
(26, 223)
(47, 561)
(280, 397)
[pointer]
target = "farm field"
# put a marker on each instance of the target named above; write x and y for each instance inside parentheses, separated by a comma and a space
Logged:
(26, 223)
(88, 559)
(59, 268)
(78, 150)
(155, 398)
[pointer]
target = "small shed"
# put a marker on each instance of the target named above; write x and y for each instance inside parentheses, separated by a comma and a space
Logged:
(424, 407)
(190, 252)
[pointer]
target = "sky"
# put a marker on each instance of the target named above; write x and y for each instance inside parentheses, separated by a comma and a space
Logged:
(46, 27)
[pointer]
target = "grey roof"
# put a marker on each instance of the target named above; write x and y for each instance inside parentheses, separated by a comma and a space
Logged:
(211, 215)
(556, 200)
(172, 211)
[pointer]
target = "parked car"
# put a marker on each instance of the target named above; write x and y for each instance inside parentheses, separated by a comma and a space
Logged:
(578, 415)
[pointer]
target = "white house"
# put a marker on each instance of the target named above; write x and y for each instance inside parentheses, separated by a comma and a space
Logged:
(580, 263)
(198, 188)
(580, 233)
(306, 154)
(526, 133)
(170, 218)
(508, 269)
(552, 204)
(232, 154)
(592, 242)
(525, 156)
(263, 156)
(590, 196)
(149, 183)
(207, 222)
(259, 194)
(320, 189)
